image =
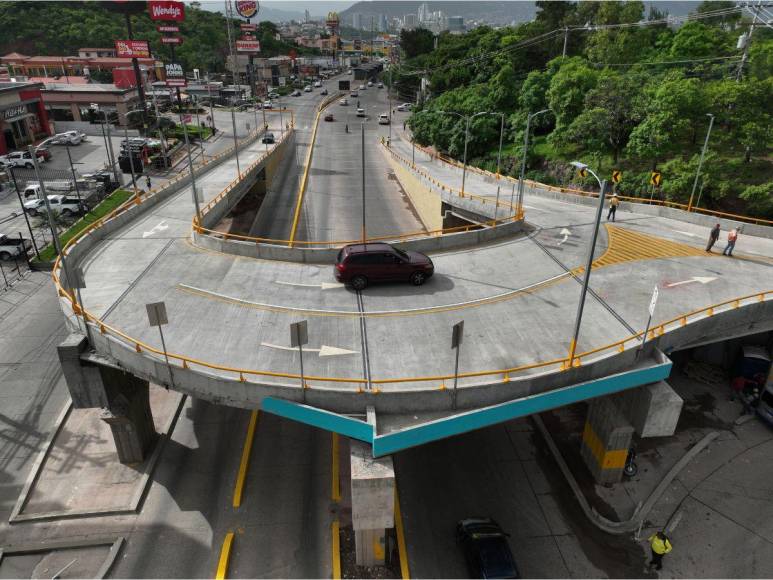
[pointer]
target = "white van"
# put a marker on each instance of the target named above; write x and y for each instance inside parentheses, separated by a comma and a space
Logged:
(383, 119)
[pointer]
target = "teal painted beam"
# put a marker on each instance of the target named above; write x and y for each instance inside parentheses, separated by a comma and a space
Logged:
(319, 418)
(479, 418)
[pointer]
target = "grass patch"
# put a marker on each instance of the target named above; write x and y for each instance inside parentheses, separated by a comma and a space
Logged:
(115, 199)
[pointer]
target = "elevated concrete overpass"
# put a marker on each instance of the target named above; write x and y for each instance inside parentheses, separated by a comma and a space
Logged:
(388, 347)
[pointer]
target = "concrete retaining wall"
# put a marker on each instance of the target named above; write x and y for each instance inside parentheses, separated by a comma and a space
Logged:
(427, 203)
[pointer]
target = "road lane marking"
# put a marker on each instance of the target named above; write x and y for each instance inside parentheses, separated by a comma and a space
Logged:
(323, 350)
(245, 462)
(322, 286)
(336, 545)
(402, 549)
(701, 279)
(155, 229)
(566, 233)
(225, 555)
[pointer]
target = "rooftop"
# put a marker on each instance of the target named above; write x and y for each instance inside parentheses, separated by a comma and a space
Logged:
(87, 88)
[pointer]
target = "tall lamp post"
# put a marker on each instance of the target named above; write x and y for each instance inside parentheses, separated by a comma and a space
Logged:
(588, 262)
(523, 159)
(466, 137)
(111, 156)
(700, 163)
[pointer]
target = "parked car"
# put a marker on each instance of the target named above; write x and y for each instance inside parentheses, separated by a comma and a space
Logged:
(323, 92)
(273, 95)
(269, 138)
(295, 93)
(268, 105)
(383, 119)
(360, 264)
(43, 151)
(68, 138)
(343, 102)
(486, 549)
(318, 84)
(329, 117)
(370, 83)
(361, 112)
(354, 94)
(380, 85)
(13, 246)
(362, 87)
(404, 107)
(307, 89)
(58, 203)
(19, 159)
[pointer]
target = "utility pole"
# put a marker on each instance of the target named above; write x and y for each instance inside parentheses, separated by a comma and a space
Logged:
(362, 127)
(747, 43)
(700, 163)
(137, 75)
(566, 38)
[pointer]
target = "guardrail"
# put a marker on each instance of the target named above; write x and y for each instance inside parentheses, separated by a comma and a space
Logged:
(572, 191)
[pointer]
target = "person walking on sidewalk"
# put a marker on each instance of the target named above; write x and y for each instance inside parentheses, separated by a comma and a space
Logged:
(660, 545)
(613, 203)
(731, 239)
(713, 237)
(147, 181)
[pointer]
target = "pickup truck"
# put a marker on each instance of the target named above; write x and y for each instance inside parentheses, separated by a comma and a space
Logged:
(19, 159)
(13, 247)
(59, 204)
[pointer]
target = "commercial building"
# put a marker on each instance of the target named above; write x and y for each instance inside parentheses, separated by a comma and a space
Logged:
(61, 67)
(72, 102)
(23, 118)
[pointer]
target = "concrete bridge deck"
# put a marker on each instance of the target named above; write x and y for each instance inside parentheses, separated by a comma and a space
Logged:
(229, 316)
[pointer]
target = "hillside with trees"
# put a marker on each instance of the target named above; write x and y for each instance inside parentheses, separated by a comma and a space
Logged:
(633, 92)
(61, 28)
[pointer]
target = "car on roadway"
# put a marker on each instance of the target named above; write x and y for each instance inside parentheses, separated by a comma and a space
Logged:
(268, 105)
(295, 93)
(323, 92)
(13, 247)
(67, 138)
(343, 102)
(318, 84)
(20, 159)
(358, 265)
(354, 94)
(404, 107)
(268, 138)
(361, 112)
(362, 87)
(329, 117)
(486, 549)
(383, 119)
(273, 95)
(307, 89)
(370, 83)
(380, 85)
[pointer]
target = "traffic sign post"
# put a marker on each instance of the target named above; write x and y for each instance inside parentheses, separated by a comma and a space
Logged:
(653, 302)
(299, 335)
(617, 176)
(457, 336)
(157, 317)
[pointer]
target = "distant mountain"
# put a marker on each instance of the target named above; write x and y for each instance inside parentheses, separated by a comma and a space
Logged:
(492, 12)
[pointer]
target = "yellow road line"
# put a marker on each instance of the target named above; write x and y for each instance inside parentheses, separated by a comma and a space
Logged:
(335, 492)
(225, 555)
(245, 459)
(336, 550)
(405, 572)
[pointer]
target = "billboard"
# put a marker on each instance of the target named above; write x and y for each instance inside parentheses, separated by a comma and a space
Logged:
(171, 40)
(132, 48)
(166, 10)
(247, 46)
(247, 8)
(175, 75)
(247, 27)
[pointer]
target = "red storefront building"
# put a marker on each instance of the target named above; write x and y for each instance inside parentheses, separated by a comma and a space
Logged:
(23, 117)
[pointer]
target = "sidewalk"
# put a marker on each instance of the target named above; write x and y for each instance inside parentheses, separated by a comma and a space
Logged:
(717, 508)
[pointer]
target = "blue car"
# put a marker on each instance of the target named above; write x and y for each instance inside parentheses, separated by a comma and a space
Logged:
(486, 549)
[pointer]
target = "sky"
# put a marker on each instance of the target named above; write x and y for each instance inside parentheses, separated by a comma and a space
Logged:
(315, 7)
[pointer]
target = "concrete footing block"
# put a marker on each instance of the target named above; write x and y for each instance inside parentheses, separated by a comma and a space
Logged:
(653, 410)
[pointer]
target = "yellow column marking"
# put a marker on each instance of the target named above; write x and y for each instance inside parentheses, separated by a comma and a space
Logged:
(405, 572)
(225, 555)
(336, 550)
(335, 492)
(245, 460)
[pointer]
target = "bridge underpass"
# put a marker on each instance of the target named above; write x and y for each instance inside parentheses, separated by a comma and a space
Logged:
(258, 299)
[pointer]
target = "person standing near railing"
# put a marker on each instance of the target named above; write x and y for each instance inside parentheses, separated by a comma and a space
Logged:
(731, 239)
(713, 237)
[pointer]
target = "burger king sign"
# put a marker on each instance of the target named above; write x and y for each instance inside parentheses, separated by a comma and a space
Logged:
(247, 8)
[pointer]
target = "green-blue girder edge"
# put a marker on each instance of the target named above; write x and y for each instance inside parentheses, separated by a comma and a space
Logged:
(468, 420)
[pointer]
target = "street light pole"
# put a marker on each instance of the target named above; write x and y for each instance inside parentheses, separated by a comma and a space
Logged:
(24, 212)
(523, 159)
(362, 126)
(193, 174)
(236, 142)
(700, 163)
(74, 178)
(130, 153)
(588, 263)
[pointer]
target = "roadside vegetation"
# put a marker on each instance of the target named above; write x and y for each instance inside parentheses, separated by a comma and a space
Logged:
(633, 93)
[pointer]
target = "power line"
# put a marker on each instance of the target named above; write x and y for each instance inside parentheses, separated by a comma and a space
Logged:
(664, 62)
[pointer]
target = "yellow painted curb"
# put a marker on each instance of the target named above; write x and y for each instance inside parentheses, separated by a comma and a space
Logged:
(240, 478)
(336, 550)
(225, 555)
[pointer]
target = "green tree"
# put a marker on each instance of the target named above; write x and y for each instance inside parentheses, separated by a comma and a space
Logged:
(697, 40)
(416, 42)
(566, 95)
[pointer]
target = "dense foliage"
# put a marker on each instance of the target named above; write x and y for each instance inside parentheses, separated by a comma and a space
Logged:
(634, 98)
(61, 28)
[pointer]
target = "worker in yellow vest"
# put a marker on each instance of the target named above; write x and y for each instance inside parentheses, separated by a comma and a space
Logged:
(613, 203)
(661, 546)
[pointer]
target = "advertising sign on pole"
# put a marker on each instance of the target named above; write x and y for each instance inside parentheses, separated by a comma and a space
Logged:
(166, 10)
(132, 49)
(247, 8)
(175, 75)
(171, 40)
(168, 28)
(247, 46)
(247, 27)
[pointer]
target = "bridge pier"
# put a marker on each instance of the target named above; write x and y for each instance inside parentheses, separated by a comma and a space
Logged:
(124, 398)
(650, 411)
(373, 501)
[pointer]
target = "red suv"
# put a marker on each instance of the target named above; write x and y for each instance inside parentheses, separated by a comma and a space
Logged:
(360, 264)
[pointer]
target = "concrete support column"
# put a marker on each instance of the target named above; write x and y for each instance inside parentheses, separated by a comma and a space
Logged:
(605, 440)
(653, 409)
(76, 112)
(124, 398)
(373, 503)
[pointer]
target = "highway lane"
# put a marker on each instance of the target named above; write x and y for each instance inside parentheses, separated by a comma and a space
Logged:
(332, 208)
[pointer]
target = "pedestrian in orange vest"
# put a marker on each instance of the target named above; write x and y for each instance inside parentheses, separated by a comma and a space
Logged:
(731, 239)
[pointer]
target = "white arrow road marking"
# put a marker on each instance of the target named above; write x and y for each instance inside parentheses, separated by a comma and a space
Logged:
(323, 286)
(701, 279)
(323, 350)
(566, 233)
(156, 229)
(686, 233)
